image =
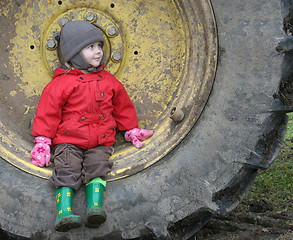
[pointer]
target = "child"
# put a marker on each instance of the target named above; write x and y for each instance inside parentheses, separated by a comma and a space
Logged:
(79, 112)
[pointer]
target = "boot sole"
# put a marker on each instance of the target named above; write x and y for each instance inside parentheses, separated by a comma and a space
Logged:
(67, 226)
(96, 216)
(67, 223)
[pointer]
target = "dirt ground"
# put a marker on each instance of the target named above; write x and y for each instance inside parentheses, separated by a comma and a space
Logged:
(251, 220)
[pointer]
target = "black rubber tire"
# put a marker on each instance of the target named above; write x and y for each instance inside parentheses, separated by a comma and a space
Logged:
(240, 131)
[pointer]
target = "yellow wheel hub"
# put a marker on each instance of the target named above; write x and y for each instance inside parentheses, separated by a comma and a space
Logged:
(164, 53)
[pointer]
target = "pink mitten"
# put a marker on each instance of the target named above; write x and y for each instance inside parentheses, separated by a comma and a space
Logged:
(136, 135)
(41, 151)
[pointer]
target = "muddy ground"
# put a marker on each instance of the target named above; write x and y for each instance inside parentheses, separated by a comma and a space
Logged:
(251, 220)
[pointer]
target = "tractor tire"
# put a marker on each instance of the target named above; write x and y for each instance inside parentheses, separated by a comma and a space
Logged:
(238, 131)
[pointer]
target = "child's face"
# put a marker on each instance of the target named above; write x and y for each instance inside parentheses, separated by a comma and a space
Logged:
(93, 53)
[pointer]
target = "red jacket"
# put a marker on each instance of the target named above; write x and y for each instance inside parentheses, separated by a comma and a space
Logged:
(83, 109)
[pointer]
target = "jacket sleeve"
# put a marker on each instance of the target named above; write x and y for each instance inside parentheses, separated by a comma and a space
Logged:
(124, 111)
(49, 111)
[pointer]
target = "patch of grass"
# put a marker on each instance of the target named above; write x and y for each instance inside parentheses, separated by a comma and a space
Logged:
(289, 133)
(275, 184)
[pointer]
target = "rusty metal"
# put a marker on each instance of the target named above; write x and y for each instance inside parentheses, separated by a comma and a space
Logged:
(176, 114)
(168, 57)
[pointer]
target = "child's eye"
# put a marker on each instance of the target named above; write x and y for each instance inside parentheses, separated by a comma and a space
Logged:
(91, 46)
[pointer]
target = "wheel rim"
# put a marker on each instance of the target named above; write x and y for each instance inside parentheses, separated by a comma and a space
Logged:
(164, 55)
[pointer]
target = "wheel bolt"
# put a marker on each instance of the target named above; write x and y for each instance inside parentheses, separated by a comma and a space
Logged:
(51, 44)
(116, 57)
(176, 114)
(111, 31)
(90, 16)
(63, 21)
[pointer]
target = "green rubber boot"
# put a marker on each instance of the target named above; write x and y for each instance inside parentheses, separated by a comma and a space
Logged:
(95, 194)
(65, 219)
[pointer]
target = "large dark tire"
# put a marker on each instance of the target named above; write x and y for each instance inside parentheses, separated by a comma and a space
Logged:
(239, 131)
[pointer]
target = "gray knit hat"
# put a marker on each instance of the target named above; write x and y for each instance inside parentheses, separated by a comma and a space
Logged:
(74, 37)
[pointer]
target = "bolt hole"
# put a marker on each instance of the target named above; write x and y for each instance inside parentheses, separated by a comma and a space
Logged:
(32, 47)
(60, 2)
(173, 110)
(135, 52)
(112, 5)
